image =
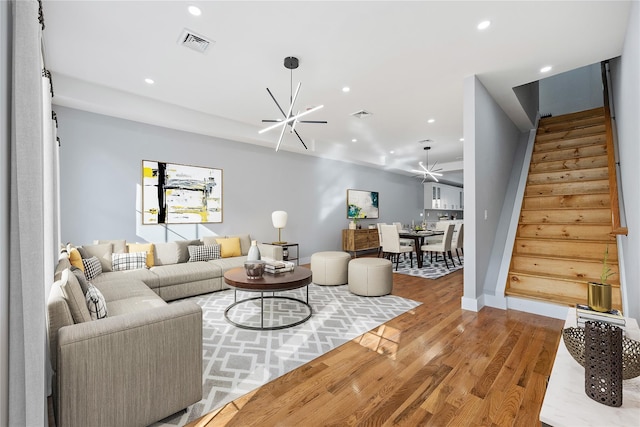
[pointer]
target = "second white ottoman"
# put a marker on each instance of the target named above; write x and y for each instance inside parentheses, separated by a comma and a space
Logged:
(330, 268)
(370, 276)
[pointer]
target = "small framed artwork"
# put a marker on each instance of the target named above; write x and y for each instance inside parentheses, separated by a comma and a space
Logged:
(362, 204)
(180, 194)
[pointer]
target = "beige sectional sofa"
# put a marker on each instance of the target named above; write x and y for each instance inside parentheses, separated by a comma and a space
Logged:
(143, 362)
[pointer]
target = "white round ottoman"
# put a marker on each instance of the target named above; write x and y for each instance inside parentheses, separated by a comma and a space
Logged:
(330, 268)
(370, 277)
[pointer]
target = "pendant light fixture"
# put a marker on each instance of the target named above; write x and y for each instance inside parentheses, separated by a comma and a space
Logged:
(425, 171)
(291, 63)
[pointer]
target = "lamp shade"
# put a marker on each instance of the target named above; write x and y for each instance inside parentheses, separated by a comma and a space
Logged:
(279, 219)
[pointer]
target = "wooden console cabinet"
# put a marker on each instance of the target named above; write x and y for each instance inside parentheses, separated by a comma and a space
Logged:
(359, 240)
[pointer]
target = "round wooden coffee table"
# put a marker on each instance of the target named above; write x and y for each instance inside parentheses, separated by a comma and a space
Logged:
(237, 279)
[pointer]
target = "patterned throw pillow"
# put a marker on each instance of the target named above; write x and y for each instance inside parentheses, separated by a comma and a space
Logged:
(96, 303)
(203, 252)
(92, 267)
(132, 261)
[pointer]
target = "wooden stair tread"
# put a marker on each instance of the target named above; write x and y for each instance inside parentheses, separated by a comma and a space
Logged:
(559, 277)
(569, 153)
(561, 258)
(574, 175)
(571, 302)
(578, 142)
(580, 163)
(598, 111)
(570, 133)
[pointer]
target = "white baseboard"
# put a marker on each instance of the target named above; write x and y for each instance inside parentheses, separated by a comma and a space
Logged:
(496, 301)
(538, 307)
(472, 304)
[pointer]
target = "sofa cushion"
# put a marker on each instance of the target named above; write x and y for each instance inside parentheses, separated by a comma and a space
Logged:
(72, 293)
(135, 304)
(229, 247)
(203, 252)
(166, 253)
(184, 251)
(96, 303)
(185, 272)
(143, 247)
(118, 246)
(145, 275)
(131, 261)
(92, 267)
(225, 264)
(102, 252)
(173, 252)
(124, 288)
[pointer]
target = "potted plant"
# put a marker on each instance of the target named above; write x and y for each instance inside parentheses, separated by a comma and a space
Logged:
(599, 293)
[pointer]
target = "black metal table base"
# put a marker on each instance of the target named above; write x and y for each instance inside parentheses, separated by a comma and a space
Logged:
(262, 297)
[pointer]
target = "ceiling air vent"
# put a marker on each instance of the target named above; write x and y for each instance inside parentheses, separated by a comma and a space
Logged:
(194, 41)
(361, 114)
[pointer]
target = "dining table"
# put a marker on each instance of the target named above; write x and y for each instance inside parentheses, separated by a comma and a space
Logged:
(418, 239)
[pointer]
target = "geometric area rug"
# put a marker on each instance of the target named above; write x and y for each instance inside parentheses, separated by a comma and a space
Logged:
(429, 270)
(237, 361)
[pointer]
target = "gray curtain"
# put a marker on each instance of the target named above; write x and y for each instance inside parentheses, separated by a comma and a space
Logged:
(27, 338)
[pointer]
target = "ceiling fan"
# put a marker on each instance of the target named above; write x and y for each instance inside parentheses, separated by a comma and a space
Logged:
(427, 172)
(290, 120)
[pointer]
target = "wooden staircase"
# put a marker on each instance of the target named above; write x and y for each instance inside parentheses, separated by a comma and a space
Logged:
(565, 223)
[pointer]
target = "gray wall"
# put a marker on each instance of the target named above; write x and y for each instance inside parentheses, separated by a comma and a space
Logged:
(490, 144)
(5, 167)
(575, 90)
(529, 97)
(626, 99)
(100, 162)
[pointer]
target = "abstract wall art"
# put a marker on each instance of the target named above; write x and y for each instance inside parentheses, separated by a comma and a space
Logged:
(362, 204)
(180, 194)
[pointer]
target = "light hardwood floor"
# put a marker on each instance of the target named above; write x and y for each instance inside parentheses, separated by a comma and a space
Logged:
(435, 365)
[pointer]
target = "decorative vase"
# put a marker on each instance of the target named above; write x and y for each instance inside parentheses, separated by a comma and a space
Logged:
(254, 269)
(603, 363)
(254, 252)
(599, 296)
(352, 225)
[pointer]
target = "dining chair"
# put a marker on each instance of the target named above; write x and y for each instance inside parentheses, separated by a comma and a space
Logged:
(404, 242)
(379, 237)
(458, 242)
(443, 247)
(391, 247)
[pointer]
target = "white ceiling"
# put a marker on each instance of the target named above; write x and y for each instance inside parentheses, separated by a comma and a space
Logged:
(405, 62)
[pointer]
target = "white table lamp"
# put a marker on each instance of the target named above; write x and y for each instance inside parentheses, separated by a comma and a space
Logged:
(279, 219)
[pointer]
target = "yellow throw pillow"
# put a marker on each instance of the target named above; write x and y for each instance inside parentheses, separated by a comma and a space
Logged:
(229, 247)
(143, 247)
(76, 259)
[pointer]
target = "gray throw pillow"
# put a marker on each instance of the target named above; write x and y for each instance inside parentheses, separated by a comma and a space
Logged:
(82, 279)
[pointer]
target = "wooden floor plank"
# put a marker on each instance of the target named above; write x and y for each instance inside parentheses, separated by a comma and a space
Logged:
(417, 369)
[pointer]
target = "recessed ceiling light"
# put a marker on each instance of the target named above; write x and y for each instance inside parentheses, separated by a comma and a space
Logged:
(461, 139)
(484, 25)
(391, 152)
(194, 10)
(149, 81)
(431, 120)
(346, 89)
(545, 69)
(354, 140)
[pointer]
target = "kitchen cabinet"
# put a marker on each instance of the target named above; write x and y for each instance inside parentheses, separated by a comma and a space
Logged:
(442, 196)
